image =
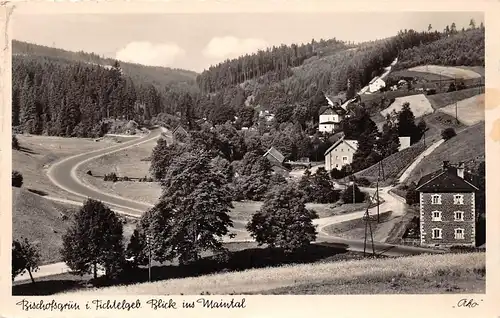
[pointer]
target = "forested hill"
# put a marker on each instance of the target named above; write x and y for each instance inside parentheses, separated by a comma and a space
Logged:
(456, 48)
(57, 92)
(158, 76)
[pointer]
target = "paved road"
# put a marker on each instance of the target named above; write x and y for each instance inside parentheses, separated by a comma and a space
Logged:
(63, 175)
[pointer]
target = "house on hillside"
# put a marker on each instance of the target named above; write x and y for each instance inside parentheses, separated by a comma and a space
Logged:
(334, 101)
(274, 156)
(404, 142)
(180, 134)
(376, 84)
(267, 115)
(330, 118)
(447, 207)
(341, 153)
(277, 160)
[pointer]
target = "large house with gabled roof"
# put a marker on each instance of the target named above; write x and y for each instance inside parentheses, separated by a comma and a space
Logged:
(341, 153)
(447, 207)
(330, 118)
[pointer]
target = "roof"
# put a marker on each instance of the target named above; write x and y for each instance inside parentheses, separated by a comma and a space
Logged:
(179, 128)
(275, 154)
(334, 99)
(351, 143)
(329, 110)
(447, 180)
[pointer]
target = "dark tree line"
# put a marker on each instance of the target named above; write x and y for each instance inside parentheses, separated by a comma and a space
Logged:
(62, 98)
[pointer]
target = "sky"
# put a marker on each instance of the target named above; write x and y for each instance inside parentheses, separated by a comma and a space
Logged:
(195, 41)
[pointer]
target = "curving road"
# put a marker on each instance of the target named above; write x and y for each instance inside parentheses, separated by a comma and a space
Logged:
(63, 174)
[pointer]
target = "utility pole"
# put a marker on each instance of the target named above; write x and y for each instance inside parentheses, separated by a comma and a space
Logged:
(378, 205)
(148, 241)
(368, 226)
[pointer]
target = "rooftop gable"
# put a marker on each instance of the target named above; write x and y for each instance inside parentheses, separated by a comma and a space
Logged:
(275, 154)
(353, 144)
(446, 180)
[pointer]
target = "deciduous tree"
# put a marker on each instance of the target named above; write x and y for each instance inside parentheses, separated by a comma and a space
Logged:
(95, 238)
(283, 221)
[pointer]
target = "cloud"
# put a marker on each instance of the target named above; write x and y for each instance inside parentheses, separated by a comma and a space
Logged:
(154, 54)
(229, 47)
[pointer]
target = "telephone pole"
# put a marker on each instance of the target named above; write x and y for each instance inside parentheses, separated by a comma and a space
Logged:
(368, 226)
(378, 205)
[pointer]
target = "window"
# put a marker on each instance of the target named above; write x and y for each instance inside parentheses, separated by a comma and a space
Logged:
(436, 216)
(459, 234)
(337, 157)
(458, 199)
(437, 233)
(459, 216)
(344, 158)
(436, 199)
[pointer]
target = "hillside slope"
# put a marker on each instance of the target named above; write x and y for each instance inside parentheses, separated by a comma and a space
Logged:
(468, 145)
(158, 76)
(40, 221)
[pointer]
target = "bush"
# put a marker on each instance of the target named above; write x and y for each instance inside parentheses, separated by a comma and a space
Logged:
(448, 133)
(412, 195)
(111, 177)
(17, 179)
(358, 195)
(89, 172)
(364, 182)
(15, 143)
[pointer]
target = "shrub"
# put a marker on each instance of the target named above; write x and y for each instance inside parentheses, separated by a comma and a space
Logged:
(347, 195)
(448, 133)
(17, 179)
(111, 177)
(89, 172)
(364, 182)
(412, 195)
(15, 143)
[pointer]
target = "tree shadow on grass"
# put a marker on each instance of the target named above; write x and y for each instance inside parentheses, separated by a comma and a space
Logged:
(39, 192)
(237, 261)
(46, 287)
(28, 150)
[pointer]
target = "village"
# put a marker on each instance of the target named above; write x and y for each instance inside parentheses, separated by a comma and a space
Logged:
(284, 171)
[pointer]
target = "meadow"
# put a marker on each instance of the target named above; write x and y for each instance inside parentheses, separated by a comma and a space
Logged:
(341, 277)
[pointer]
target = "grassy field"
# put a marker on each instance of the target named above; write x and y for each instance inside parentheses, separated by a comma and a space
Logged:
(244, 210)
(470, 111)
(468, 144)
(448, 71)
(394, 164)
(355, 229)
(353, 276)
(39, 152)
(43, 222)
(419, 105)
(124, 163)
(444, 99)
(427, 77)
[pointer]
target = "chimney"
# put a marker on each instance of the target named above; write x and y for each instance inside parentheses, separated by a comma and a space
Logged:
(446, 164)
(461, 170)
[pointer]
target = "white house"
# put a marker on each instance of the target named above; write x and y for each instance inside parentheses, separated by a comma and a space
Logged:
(404, 142)
(376, 84)
(330, 119)
(341, 153)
